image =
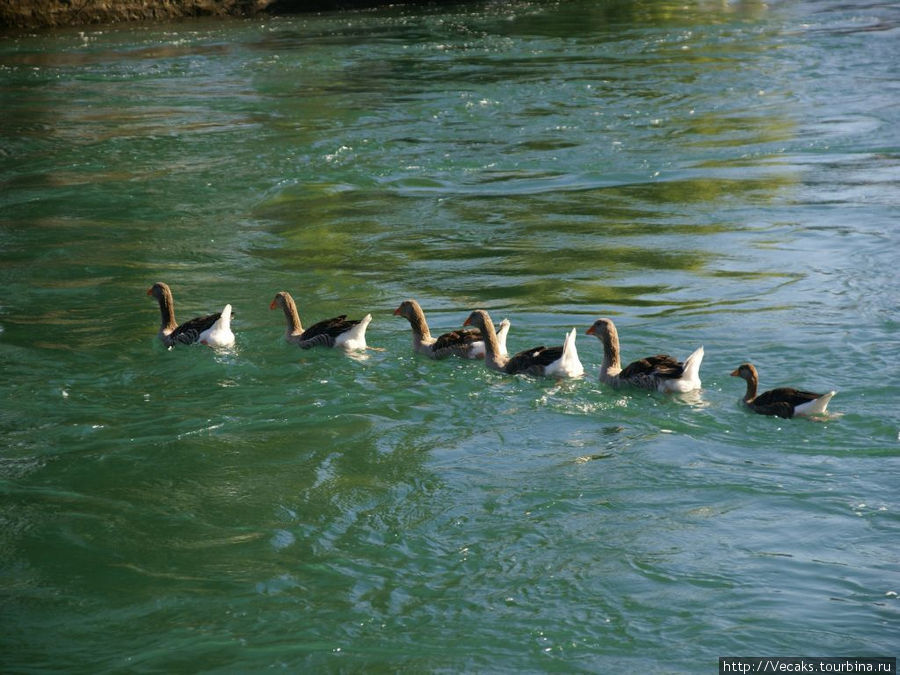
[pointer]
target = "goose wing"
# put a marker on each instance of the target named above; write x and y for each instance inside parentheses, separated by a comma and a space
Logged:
(661, 365)
(189, 332)
(324, 333)
(533, 360)
(782, 401)
(456, 342)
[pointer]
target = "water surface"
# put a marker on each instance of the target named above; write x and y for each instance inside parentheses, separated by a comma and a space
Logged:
(703, 173)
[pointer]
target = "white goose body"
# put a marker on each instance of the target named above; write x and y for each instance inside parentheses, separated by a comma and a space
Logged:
(660, 372)
(465, 343)
(568, 364)
(355, 337)
(551, 361)
(219, 334)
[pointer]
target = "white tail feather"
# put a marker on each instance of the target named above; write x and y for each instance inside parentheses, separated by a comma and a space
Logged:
(816, 406)
(219, 334)
(570, 364)
(690, 378)
(692, 365)
(355, 338)
(501, 336)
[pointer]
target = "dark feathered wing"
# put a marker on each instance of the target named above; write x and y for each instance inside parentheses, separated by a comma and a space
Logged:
(661, 365)
(457, 340)
(781, 401)
(533, 360)
(189, 332)
(324, 333)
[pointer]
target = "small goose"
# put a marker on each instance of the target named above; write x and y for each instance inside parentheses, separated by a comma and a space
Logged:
(553, 361)
(783, 401)
(467, 343)
(334, 332)
(213, 330)
(661, 372)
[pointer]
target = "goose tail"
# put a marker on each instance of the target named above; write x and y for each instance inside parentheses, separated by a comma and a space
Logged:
(355, 338)
(816, 406)
(692, 366)
(502, 332)
(219, 334)
(571, 364)
(225, 319)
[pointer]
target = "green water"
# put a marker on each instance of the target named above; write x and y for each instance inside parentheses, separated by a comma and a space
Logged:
(704, 173)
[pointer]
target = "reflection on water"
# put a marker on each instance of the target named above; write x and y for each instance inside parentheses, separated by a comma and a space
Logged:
(705, 173)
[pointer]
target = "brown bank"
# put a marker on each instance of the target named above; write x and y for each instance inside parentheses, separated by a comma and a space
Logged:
(34, 14)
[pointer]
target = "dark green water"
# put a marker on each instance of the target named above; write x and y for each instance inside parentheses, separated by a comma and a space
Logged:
(704, 173)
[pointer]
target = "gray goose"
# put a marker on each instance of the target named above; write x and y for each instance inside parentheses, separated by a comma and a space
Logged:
(782, 402)
(335, 332)
(213, 330)
(466, 343)
(660, 373)
(553, 361)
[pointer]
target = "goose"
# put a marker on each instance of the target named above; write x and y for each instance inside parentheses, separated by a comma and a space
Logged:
(783, 401)
(213, 330)
(335, 332)
(465, 343)
(554, 361)
(661, 372)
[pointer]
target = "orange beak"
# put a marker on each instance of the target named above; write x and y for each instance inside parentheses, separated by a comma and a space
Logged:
(735, 372)
(272, 305)
(590, 331)
(397, 312)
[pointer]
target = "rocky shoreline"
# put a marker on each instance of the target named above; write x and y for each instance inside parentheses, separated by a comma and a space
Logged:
(37, 14)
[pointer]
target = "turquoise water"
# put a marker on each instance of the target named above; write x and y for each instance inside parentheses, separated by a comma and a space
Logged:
(716, 174)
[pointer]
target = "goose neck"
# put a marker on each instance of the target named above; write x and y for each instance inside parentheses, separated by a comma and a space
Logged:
(167, 311)
(419, 325)
(612, 363)
(752, 383)
(292, 317)
(492, 353)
